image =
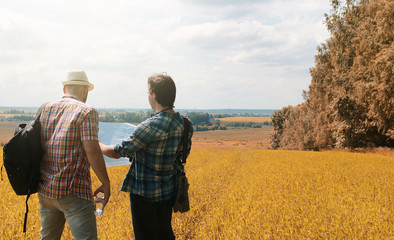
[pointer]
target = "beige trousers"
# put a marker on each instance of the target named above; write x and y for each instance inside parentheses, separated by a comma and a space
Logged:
(79, 214)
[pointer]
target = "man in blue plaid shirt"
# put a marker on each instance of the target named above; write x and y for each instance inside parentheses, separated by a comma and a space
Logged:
(155, 147)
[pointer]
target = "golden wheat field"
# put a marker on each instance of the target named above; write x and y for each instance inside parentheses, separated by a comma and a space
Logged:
(253, 194)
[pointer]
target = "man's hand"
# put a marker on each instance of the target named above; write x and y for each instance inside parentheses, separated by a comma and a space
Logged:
(104, 189)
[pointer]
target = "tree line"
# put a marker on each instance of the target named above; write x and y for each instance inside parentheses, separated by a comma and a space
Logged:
(350, 101)
(137, 117)
(201, 121)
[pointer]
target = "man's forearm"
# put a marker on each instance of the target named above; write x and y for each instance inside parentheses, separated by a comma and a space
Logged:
(98, 165)
(108, 150)
(96, 160)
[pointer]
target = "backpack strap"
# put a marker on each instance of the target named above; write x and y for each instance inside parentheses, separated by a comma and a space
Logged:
(185, 138)
(27, 211)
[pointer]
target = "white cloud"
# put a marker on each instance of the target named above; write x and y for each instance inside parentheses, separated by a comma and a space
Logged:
(257, 52)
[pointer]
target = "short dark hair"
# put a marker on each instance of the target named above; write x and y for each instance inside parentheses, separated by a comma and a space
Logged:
(164, 88)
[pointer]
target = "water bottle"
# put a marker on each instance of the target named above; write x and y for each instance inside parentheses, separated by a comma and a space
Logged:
(99, 204)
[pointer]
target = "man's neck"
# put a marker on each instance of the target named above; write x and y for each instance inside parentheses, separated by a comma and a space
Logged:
(74, 96)
(164, 109)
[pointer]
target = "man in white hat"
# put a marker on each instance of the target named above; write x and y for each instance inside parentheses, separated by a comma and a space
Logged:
(69, 134)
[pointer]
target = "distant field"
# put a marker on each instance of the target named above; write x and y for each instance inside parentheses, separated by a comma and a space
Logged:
(245, 119)
(252, 194)
(243, 138)
(7, 115)
(6, 131)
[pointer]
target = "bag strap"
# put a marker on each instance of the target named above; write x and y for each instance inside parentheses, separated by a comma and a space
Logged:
(27, 211)
(1, 172)
(185, 138)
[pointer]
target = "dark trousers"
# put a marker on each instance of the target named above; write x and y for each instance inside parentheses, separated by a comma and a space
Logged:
(151, 220)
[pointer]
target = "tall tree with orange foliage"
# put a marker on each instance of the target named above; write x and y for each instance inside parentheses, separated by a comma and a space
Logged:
(350, 100)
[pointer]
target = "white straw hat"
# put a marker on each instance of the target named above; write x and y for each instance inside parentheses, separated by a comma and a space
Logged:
(78, 78)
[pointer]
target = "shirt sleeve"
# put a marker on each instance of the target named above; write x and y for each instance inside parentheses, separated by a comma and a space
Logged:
(89, 127)
(141, 137)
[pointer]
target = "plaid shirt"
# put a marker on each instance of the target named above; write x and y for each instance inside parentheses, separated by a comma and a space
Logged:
(156, 145)
(65, 168)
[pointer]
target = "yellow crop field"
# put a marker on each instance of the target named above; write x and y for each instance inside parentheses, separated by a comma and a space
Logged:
(245, 119)
(253, 194)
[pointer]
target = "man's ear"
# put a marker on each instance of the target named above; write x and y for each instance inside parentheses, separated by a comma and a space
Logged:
(64, 89)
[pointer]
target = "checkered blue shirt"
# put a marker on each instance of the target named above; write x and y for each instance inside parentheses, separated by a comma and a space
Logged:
(156, 145)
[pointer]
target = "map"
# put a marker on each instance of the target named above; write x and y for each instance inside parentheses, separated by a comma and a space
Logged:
(113, 133)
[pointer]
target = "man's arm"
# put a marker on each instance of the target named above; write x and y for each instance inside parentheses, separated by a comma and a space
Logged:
(108, 150)
(96, 161)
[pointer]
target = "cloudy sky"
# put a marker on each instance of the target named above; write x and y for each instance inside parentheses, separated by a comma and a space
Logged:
(248, 54)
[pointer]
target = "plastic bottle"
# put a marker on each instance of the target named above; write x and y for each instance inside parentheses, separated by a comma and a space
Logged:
(99, 204)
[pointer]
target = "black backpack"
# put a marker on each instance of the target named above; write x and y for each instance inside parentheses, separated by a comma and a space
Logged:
(22, 158)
